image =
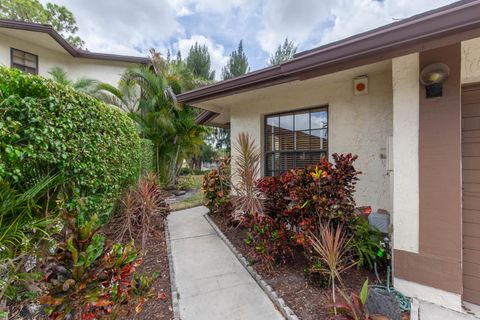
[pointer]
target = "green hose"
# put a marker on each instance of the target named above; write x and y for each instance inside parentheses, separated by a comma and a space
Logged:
(403, 301)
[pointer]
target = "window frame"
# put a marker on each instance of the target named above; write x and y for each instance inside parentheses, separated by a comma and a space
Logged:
(323, 107)
(15, 65)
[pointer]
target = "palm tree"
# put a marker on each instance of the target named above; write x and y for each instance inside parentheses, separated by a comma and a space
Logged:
(189, 138)
(125, 96)
(85, 85)
(148, 94)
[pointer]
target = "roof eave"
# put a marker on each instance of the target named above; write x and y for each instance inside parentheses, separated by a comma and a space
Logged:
(74, 52)
(399, 38)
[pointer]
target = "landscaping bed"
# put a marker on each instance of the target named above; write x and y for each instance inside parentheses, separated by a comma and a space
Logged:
(305, 295)
(155, 260)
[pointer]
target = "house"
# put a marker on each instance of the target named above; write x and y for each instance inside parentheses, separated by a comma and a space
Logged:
(36, 48)
(418, 144)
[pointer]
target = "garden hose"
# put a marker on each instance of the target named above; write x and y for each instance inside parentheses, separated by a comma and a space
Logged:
(403, 301)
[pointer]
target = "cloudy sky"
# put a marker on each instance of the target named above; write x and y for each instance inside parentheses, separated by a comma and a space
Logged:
(134, 26)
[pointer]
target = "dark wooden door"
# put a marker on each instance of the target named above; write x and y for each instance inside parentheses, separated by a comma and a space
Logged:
(471, 192)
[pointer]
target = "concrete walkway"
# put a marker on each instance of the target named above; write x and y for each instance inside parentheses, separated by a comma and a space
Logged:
(211, 282)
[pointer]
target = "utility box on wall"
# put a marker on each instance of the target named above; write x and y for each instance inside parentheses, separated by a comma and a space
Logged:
(360, 85)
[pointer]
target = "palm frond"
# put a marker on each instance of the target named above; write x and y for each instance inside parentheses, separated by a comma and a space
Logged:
(59, 75)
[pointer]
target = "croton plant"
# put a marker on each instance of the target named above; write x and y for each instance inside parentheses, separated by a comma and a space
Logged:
(300, 200)
(216, 188)
(85, 281)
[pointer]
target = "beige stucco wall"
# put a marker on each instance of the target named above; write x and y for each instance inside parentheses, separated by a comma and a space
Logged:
(405, 152)
(357, 124)
(105, 71)
(470, 70)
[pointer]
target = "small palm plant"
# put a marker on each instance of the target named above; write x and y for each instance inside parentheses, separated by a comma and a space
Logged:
(84, 85)
(331, 245)
(246, 170)
(21, 229)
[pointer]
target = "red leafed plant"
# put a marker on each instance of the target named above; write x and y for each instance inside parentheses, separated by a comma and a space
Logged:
(301, 200)
(216, 188)
(268, 240)
(353, 307)
(246, 171)
(85, 282)
(140, 203)
(331, 244)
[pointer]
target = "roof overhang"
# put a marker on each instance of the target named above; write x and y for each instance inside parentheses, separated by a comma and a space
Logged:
(74, 52)
(440, 27)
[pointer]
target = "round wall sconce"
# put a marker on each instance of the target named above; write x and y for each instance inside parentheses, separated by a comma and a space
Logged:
(432, 77)
(434, 73)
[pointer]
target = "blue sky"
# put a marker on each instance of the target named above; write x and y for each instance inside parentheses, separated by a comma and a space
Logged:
(134, 26)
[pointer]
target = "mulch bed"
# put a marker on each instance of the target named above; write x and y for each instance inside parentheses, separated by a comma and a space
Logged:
(155, 260)
(304, 294)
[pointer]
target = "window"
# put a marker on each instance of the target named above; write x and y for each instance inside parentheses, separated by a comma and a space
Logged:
(295, 139)
(24, 61)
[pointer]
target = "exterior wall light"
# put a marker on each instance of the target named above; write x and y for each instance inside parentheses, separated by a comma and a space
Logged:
(432, 77)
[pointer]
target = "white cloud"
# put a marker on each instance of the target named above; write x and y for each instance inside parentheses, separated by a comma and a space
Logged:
(120, 26)
(133, 26)
(295, 19)
(355, 16)
(211, 6)
(217, 51)
(314, 22)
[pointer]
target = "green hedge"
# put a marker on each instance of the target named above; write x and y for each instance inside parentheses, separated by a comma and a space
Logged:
(49, 128)
(147, 158)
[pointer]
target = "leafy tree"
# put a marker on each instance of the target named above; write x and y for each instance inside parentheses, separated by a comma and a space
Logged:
(284, 52)
(85, 85)
(59, 17)
(171, 127)
(221, 139)
(237, 64)
(198, 61)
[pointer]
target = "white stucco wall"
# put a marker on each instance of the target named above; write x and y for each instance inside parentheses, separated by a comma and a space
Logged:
(357, 124)
(406, 104)
(105, 71)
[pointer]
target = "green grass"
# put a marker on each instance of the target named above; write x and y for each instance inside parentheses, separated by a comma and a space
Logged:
(194, 201)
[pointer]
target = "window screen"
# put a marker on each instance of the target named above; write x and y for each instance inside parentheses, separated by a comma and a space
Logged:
(295, 139)
(24, 61)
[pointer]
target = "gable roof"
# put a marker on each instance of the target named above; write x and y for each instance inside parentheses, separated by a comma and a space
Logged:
(449, 24)
(74, 52)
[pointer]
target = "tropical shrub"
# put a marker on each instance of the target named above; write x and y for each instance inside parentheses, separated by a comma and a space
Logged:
(246, 171)
(325, 190)
(366, 242)
(307, 198)
(51, 128)
(85, 281)
(147, 156)
(216, 188)
(353, 307)
(139, 204)
(23, 226)
(269, 241)
(331, 244)
(185, 182)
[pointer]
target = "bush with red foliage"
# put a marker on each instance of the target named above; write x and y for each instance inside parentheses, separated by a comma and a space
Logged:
(216, 188)
(268, 239)
(300, 200)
